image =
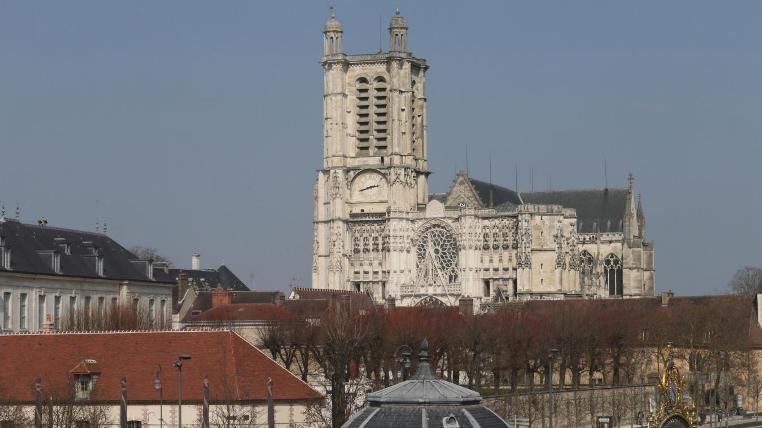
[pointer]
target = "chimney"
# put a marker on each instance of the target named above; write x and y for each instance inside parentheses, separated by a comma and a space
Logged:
(182, 285)
(220, 296)
(466, 306)
(48, 325)
(665, 296)
(196, 261)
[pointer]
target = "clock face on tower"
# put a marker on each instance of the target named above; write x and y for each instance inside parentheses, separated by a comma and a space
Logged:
(369, 186)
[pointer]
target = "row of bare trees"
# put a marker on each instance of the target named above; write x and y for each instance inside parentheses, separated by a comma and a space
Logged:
(508, 351)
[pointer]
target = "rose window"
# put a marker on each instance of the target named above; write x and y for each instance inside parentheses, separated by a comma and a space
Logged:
(437, 257)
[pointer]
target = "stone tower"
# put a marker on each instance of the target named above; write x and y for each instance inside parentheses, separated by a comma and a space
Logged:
(374, 152)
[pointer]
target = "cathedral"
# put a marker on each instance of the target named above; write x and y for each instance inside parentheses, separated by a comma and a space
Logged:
(377, 229)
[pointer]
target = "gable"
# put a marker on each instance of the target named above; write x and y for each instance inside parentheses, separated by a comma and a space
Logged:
(463, 194)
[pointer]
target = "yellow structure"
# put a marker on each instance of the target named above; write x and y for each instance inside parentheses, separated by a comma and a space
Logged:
(675, 408)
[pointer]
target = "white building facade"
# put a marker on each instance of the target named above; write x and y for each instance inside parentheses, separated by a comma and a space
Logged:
(377, 228)
(48, 274)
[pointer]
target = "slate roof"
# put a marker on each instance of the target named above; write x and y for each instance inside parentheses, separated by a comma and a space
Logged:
(500, 195)
(28, 241)
(204, 279)
(598, 210)
(223, 356)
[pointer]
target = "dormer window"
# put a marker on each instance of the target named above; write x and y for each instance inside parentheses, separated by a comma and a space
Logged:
(63, 245)
(5, 257)
(85, 376)
(99, 265)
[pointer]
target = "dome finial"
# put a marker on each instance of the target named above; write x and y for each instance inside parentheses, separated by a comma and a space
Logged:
(423, 356)
(333, 12)
(397, 12)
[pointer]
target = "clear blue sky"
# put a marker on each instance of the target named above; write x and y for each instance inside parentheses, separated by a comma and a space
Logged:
(178, 116)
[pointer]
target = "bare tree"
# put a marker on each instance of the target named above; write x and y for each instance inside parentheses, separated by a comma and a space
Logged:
(149, 253)
(747, 280)
(120, 317)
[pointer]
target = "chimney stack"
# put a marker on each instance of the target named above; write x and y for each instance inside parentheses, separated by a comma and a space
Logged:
(665, 296)
(220, 296)
(466, 306)
(196, 261)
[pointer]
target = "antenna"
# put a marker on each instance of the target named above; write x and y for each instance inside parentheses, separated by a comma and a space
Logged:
(550, 182)
(516, 171)
(466, 159)
(531, 179)
(380, 34)
(490, 180)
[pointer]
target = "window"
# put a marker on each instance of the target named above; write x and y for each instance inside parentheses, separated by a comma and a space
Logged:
(22, 311)
(372, 119)
(379, 116)
(7, 311)
(41, 311)
(487, 288)
(101, 306)
(586, 269)
(437, 257)
(135, 303)
(133, 424)
(162, 313)
(57, 312)
(87, 306)
(151, 314)
(72, 309)
(363, 116)
(114, 303)
(612, 266)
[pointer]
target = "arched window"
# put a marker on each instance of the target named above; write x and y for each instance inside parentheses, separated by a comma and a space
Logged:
(363, 116)
(587, 265)
(612, 267)
(380, 95)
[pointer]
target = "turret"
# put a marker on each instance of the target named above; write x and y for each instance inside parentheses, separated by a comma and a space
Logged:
(397, 33)
(332, 36)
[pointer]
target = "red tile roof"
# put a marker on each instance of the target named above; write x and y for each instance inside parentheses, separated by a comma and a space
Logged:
(235, 369)
(244, 312)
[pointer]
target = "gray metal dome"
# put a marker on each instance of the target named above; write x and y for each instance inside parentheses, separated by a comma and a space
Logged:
(425, 401)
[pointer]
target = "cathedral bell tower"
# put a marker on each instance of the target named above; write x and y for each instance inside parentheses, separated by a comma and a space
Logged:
(374, 145)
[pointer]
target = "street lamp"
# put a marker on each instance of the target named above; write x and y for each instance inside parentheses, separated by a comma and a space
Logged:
(158, 387)
(404, 359)
(551, 355)
(179, 365)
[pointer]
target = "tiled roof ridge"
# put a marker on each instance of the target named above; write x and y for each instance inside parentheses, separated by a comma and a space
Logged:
(286, 370)
(62, 229)
(580, 189)
(73, 333)
(329, 290)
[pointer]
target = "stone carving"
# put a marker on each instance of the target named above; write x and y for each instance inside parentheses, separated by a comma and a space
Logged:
(336, 179)
(403, 176)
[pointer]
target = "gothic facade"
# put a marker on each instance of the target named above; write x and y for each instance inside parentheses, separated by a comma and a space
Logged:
(377, 228)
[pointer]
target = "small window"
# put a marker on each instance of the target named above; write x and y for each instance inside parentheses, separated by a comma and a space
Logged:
(133, 424)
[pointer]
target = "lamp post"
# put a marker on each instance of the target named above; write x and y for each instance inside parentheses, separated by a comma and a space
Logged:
(404, 359)
(158, 387)
(551, 355)
(179, 365)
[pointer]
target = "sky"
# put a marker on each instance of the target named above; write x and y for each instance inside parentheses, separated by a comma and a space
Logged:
(192, 125)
